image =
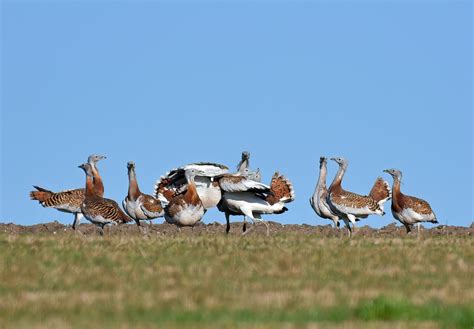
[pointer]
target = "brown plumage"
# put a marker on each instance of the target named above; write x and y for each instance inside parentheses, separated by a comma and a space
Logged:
(185, 209)
(281, 190)
(151, 204)
(381, 190)
(407, 209)
(420, 206)
(353, 200)
(69, 200)
(138, 205)
(95, 206)
(350, 206)
(98, 210)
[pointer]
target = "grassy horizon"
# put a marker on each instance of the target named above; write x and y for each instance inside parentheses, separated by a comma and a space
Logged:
(225, 282)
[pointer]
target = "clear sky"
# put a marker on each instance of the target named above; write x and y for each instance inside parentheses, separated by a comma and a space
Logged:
(164, 84)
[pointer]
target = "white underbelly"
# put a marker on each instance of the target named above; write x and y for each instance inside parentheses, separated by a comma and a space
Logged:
(188, 216)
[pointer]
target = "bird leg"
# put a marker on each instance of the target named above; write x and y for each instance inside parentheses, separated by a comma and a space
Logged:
(352, 219)
(407, 226)
(227, 221)
(256, 219)
(244, 227)
(77, 220)
(101, 229)
(139, 226)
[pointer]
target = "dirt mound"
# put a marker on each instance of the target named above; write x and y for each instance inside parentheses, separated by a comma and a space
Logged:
(391, 230)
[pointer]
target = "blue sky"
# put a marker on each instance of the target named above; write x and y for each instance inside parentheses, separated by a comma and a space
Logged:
(164, 84)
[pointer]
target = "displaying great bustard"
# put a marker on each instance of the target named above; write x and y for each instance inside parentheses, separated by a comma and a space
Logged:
(350, 206)
(408, 210)
(70, 200)
(243, 196)
(185, 209)
(98, 210)
(138, 205)
(174, 183)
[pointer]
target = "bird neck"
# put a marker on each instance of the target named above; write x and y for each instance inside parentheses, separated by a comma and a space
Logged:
(133, 190)
(243, 164)
(396, 193)
(89, 187)
(321, 184)
(97, 181)
(322, 176)
(336, 183)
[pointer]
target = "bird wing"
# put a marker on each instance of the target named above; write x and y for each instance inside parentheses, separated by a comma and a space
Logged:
(237, 183)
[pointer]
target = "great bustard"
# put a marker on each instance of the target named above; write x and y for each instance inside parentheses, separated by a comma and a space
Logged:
(98, 210)
(242, 196)
(70, 200)
(138, 205)
(408, 209)
(319, 199)
(185, 209)
(350, 206)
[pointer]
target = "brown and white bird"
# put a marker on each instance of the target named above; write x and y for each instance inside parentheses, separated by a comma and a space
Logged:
(98, 210)
(350, 206)
(185, 209)
(408, 210)
(70, 200)
(174, 183)
(319, 199)
(242, 196)
(138, 205)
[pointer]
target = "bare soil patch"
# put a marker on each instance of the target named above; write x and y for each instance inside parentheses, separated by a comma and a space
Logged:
(166, 229)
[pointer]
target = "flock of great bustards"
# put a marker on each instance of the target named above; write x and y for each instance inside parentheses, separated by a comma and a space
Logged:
(184, 194)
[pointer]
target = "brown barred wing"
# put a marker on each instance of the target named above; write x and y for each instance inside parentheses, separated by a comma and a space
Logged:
(418, 205)
(68, 201)
(108, 209)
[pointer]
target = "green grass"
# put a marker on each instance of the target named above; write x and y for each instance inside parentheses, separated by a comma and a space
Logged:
(286, 280)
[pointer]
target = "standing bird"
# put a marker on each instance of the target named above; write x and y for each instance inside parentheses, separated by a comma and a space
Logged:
(350, 206)
(137, 205)
(408, 210)
(246, 197)
(319, 199)
(174, 183)
(98, 210)
(185, 209)
(70, 200)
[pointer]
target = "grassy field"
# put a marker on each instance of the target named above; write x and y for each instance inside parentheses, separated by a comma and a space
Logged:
(286, 280)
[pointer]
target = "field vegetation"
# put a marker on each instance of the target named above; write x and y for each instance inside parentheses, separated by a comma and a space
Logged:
(214, 281)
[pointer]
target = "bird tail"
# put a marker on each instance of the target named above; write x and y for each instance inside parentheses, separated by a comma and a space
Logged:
(163, 193)
(380, 192)
(41, 194)
(281, 190)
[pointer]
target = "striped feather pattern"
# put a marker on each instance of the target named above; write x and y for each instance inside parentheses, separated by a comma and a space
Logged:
(353, 200)
(95, 208)
(381, 190)
(418, 205)
(281, 190)
(68, 201)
